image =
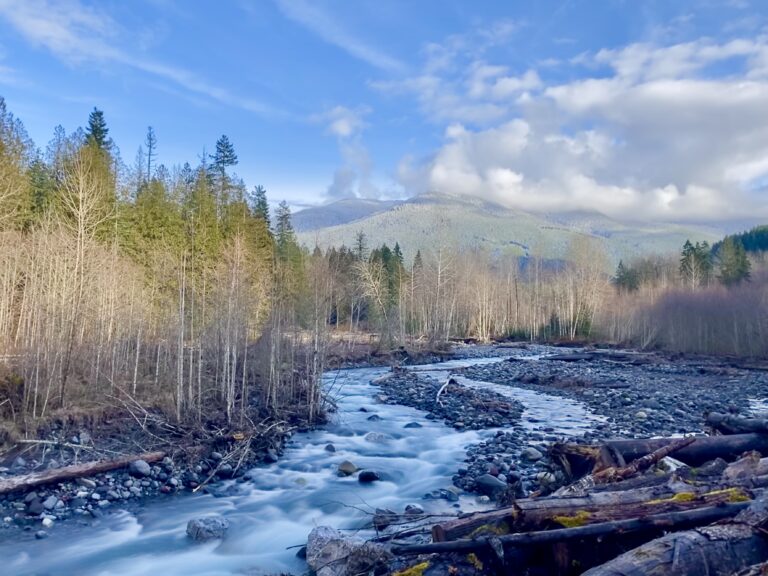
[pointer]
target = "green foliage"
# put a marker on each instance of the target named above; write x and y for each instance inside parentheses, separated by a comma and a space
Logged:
(754, 240)
(259, 204)
(696, 264)
(626, 278)
(97, 131)
(734, 264)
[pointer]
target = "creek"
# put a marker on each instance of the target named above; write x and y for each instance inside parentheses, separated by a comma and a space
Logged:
(274, 507)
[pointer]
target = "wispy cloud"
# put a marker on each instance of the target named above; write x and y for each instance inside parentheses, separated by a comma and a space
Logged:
(312, 17)
(78, 34)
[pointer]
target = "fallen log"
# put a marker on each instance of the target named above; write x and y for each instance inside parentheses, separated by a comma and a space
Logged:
(664, 521)
(729, 424)
(542, 513)
(715, 550)
(617, 474)
(29, 481)
(611, 453)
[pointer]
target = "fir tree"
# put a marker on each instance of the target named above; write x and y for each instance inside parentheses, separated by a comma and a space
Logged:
(734, 264)
(97, 131)
(260, 206)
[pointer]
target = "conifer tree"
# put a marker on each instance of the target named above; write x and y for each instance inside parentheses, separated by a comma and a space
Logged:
(734, 264)
(97, 131)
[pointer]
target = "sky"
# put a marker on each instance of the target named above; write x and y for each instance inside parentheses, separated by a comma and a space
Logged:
(654, 110)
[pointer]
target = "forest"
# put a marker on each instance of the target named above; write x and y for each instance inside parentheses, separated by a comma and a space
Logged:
(176, 288)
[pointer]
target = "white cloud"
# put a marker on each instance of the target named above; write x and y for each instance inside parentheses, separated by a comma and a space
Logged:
(78, 34)
(344, 122)
(312, 17)
(676, 132)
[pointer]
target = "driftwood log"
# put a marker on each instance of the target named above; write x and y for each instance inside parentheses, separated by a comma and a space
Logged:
(29, 481)
(715, 550)
(729, 424)
(543, 513)
(663, 521)
(581, 459)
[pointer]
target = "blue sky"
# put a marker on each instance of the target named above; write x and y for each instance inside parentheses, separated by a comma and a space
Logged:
(655, 110)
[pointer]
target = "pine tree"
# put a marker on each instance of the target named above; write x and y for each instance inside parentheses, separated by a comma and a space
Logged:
(260, 205)
(151, 142)
(734, 264)
(97, 130)
(626, 278)
(361, 246)
(225, 156)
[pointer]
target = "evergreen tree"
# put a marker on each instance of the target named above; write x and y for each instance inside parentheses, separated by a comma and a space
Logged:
(734, 264)
(398, 254)
(97, 130)
(225, 156)
(696, 264)
(260, 205)
(626, 278)
(151, 142)
(361, 246)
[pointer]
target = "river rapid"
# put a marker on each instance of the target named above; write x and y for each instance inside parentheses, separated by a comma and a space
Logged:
(274, 507)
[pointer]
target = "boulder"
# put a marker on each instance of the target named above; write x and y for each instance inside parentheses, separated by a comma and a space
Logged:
(139, 469)
(208, 528)
(346, 468)
(377, 437)
(330, 553)
(532, 454)
(490, 485)
(368, 476)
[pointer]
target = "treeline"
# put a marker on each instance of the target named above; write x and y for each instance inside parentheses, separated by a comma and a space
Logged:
(701, 301)
(145, 285)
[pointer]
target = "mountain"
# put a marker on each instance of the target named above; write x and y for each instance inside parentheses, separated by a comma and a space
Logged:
(434, 219)
(337, 213)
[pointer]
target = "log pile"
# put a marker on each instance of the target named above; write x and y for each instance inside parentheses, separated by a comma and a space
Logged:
(682, 506)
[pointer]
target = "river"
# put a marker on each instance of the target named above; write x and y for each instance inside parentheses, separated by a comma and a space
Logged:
(274, 508)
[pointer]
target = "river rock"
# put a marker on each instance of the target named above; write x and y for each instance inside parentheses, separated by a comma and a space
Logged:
(330, 447)
(490, 485)
(368, 476)
(208, 528)
(377, 437)
(330, 553)
(139, 469)
(532, 454)
(346, 468)
(50, 502)
(413, 425)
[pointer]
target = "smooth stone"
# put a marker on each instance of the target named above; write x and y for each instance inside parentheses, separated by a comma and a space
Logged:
(368, 476)
(139, 469)
(208, 528)
(346, 468)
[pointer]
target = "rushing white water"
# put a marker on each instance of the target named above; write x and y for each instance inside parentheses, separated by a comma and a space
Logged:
(279, 504)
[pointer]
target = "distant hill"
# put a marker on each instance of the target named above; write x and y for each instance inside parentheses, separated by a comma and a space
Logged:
(337, 213)
(428, 220)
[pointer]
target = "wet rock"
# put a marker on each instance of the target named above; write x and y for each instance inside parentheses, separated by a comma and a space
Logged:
(346, 468)
(35, 507)
(377, 437)
(271, 456)
(383, 518)
(413, 425)
(368, 476)
(86, 483)
(47, 522)
(208, 528)
(374, 418)
(413, 510)
(330, 447)
(41, 534)
(532, 454)
(330, 553)
(139, 469)
(490, 485)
